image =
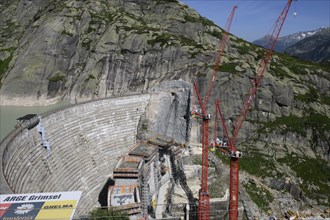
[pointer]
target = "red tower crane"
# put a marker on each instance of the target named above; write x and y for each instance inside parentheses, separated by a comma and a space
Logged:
(233, 153)
(204, 197)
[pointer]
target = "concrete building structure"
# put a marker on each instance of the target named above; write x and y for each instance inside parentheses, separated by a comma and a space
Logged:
(139, 170)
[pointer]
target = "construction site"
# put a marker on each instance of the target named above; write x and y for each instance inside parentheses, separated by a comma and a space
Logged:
(160, 204)
(146, 155)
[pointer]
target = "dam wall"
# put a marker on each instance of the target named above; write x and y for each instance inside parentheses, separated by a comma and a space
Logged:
(86, 141)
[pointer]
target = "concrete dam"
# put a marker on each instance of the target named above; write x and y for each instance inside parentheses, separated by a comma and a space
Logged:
(87, 140)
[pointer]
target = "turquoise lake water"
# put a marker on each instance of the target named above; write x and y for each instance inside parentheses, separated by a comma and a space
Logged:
(9, 114)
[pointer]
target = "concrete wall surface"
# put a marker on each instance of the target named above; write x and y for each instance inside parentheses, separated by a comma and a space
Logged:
(86, 141)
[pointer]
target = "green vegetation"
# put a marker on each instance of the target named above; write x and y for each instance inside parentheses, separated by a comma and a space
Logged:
(166, 39)
(185, 41)
(240, 40)
(145, 126)
(244, 49)
(56, 78)
(202, 20)
(105, 214)
(257, 165)
(140, 29)
(325, 100)
(65, 32)
(4, 64)
(277, 70)
(38, 15)
(201, 74)
(191, 19)
(259, 195)
(125, 51)
(90, 76)
(224, 158)
(86, 43)
(228, 67)
(197, 160)
(311, 96)
(314, 173)
(300, 67)
(166, 1)
(163, 39)
(103, 16)
(9, 28)
(298, 125)
(215, 188)
(215, 33)
(206, 22)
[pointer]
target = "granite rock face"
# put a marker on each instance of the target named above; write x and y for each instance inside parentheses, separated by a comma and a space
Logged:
(168, 112)
(80, 50)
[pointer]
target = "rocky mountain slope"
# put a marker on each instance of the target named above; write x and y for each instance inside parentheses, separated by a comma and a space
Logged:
(73, 50)
(78, 50)
(284, 42)
(315, 47)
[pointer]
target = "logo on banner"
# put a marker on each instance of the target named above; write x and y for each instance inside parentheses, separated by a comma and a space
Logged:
(24, 209)
(39, 206)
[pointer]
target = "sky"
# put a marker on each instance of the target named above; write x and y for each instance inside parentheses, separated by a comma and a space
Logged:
(255, 18)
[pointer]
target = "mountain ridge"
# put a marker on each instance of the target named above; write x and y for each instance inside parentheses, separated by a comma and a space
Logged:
(315, 47)
(284, 42)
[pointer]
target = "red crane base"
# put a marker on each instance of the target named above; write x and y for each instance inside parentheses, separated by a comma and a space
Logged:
(204, 206)
(234, 182)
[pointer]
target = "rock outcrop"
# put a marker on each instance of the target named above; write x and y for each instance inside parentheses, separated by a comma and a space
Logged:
(168, 112)
(80, 50)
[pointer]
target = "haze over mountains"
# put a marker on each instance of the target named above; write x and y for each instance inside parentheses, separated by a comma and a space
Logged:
(309, 45)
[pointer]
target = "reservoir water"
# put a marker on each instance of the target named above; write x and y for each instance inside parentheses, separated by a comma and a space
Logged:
(9, 114)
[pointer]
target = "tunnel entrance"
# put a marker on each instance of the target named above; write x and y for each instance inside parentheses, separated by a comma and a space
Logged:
(103, 196)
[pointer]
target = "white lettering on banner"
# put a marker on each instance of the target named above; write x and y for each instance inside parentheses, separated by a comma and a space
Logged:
(40, 197)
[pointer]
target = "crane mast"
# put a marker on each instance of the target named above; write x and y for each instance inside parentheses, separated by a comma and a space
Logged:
(221, 49)
(261, 69)
(204, 196)
(234, 154)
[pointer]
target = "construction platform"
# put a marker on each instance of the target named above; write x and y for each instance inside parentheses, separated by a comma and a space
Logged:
(145, 150)
(128, 166)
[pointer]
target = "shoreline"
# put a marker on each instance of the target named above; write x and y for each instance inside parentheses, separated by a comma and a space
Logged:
(9, 114)
(29, 101)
